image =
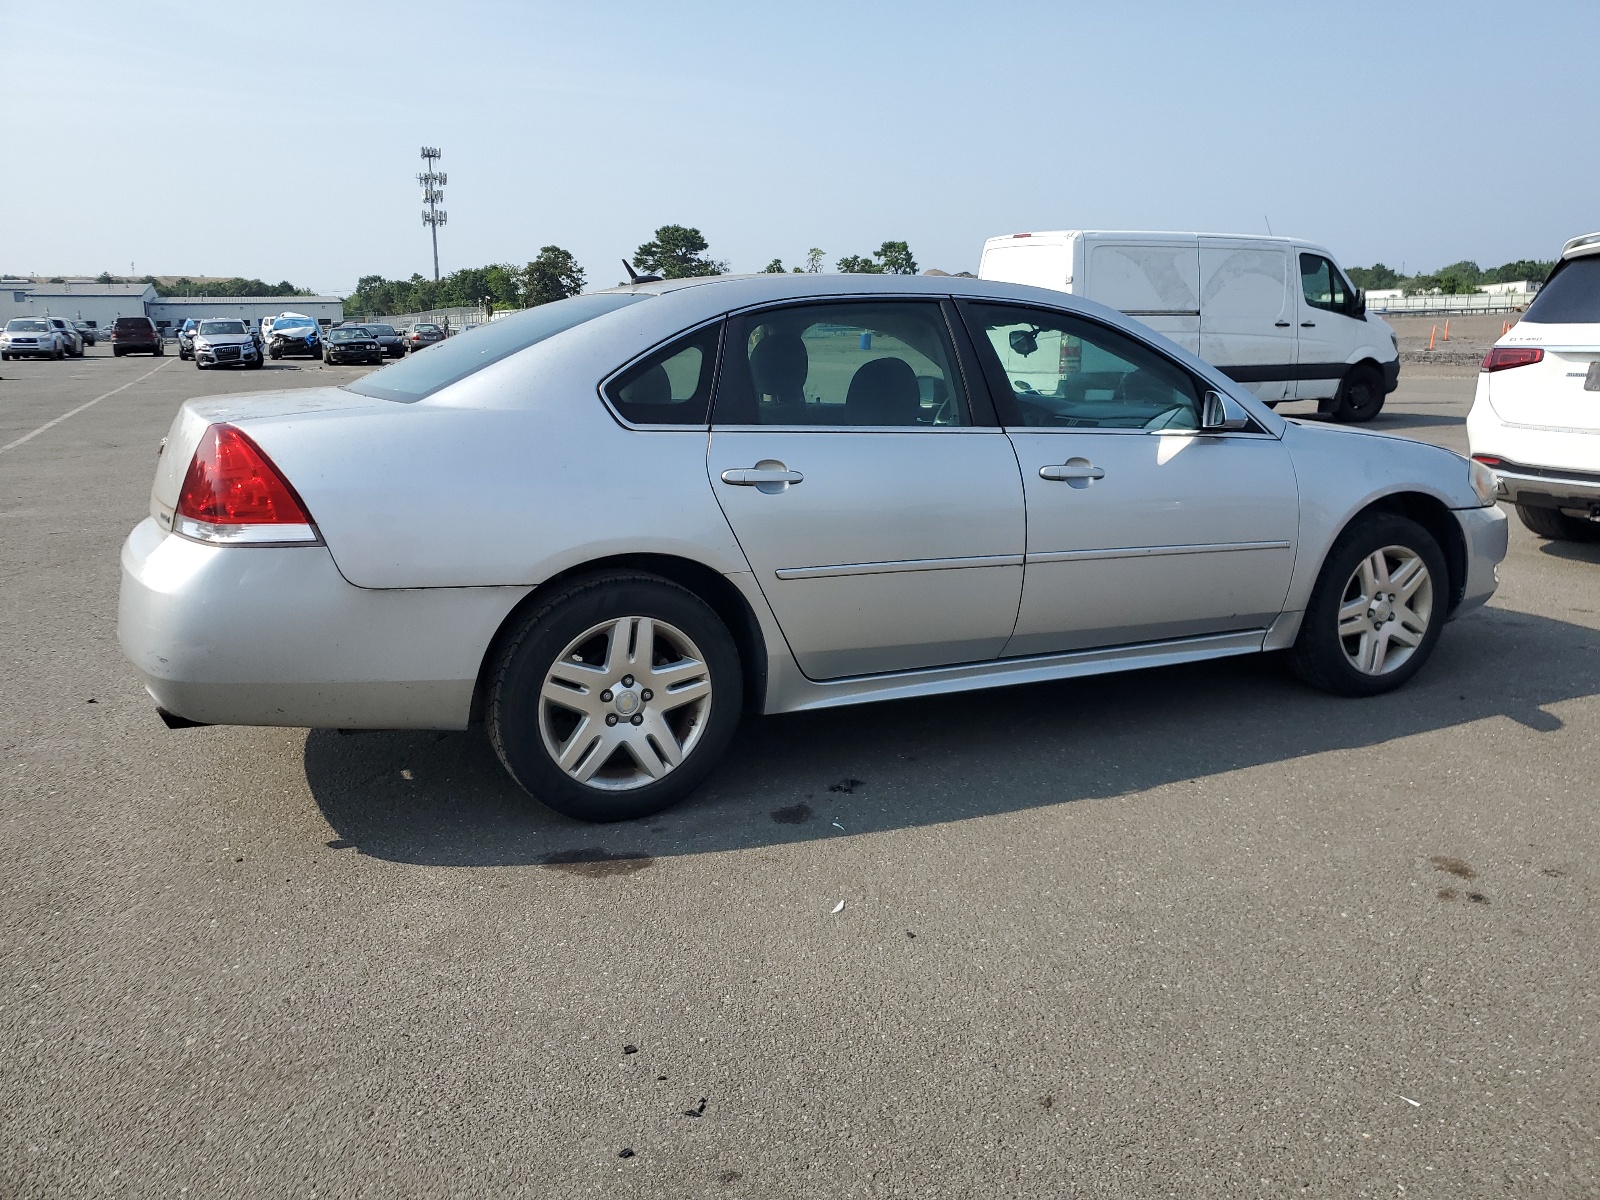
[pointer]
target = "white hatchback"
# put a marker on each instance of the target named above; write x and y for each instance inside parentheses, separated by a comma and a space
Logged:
(1536, 418)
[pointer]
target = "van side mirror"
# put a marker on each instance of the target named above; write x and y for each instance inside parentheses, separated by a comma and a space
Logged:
(1222, 414)
(1359, 308)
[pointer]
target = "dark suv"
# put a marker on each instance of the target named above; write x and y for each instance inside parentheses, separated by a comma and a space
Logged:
(135, 335)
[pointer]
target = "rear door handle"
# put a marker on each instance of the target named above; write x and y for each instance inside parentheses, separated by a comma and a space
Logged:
(1308, 324)
(1281, 324)
(1077, 469)
(752, 476)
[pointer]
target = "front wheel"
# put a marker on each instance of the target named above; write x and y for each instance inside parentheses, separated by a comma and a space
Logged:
(1360, 395)
(616, 698)
(1556, 525)
(1376, 610)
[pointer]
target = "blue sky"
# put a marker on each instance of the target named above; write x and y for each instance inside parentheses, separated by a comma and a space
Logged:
(280, 139)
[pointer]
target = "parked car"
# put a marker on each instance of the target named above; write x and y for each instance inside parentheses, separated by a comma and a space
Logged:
(136, 335)
(806, 491)
(1275, 314)
(394, 345)
(226, 342)
(422, 335)
(294, 335)
(87, 332)
(71, 339)
(186, 337)
(352, 345)
(33, 337)
(1535, 418)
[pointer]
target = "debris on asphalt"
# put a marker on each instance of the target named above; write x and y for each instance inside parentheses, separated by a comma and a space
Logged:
(839, 907)
(696, 1112)
(846, 785)
(1456, 866)
(625, 1152)
(838, 826)
(630, 1049)
(1410, 1101)
(909, 934)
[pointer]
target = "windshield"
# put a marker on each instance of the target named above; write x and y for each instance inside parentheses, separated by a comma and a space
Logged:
(221, 327)
(23, 326)
(1571, 296)
(381, 330)
(421, 375)
(293, 323)
(347, 335)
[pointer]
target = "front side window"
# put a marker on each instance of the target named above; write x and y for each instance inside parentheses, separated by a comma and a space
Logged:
(1069, 373)
(672, 386)
(1324, 287)
(864, 364)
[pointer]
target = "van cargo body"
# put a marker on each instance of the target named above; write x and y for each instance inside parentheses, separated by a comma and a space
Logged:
(1276, 314)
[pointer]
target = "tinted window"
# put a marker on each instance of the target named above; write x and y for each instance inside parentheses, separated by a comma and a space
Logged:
(218, 327)
(1324, 286)
(1571, 296)
(866, 364)
(1066, 372)
(134, 323)
(381, 330)
(672, 386)
(446, 362)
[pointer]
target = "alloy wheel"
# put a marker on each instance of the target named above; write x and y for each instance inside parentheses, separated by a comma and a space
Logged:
(1385, 610)
(625, 703)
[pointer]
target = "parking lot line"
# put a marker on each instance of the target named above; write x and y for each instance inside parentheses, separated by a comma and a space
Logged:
(28, 437)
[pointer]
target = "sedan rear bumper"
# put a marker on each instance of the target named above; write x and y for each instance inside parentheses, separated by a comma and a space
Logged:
(246, 635)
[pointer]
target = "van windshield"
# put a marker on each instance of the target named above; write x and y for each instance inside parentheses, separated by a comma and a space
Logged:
(1571, 296)
(452, 360)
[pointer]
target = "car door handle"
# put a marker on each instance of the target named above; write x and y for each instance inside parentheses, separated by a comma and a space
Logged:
(1281, 324)
(1308, 324)
(751, 476)
(1072, 470)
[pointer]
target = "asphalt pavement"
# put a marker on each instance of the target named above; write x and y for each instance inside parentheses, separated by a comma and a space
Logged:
(1188, 932)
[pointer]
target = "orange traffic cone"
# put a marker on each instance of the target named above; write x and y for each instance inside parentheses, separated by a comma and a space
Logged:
(1447, 330)
(1432, 337)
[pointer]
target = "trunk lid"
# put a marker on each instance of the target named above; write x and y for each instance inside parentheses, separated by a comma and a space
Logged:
(1562, 390)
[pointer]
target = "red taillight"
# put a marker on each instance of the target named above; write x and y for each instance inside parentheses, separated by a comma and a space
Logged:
(1488, 460)
(231, 482)
(1503, 358)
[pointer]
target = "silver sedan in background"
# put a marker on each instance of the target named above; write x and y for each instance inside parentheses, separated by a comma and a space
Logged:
(608, 526)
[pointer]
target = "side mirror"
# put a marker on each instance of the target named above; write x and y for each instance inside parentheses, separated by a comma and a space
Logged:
(1222, 414)
(1361, 303)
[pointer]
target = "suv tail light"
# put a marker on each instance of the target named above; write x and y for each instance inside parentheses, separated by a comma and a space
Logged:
(234, 495)
(1503, 358)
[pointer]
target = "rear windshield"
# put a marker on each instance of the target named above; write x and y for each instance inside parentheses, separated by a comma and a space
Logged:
(133, 322)
(25, 326)
(1571, 296)
(381, 330)
(422, 374)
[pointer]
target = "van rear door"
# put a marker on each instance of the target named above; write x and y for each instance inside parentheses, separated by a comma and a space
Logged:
(1247, 314)
(1154, 279)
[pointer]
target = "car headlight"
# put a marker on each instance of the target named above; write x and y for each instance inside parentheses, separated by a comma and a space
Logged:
(1484, 482)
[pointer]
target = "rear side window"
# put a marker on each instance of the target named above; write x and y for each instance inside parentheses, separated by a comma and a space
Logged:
(1571, 296)
(454, 359)
(671, 386)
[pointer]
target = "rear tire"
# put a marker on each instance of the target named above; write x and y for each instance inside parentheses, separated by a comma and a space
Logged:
(1554, 524)
(1354, 639)
(1360, 396)
(160, 350)
(588, 631)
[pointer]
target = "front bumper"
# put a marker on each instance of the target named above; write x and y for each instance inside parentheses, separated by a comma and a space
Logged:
(263, 635)
(288, 346)
(47, 349)
(226, 356)
(1486, 536)
(1391, 376)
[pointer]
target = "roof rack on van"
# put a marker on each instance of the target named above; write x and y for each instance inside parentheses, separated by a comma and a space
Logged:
(1589, 243)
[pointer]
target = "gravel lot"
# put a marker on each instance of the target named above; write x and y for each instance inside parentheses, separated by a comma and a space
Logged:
(1191, 932)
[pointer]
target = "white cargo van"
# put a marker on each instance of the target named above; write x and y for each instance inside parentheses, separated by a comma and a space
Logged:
(1276, 314)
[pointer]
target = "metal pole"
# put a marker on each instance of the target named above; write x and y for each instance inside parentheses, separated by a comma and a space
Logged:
(435, 229)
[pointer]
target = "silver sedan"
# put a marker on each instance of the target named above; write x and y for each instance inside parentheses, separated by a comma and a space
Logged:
(608, 526)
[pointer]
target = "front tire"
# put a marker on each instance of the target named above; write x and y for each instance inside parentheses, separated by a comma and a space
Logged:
(1377, 609)
(1556, 525)
(615, 698)
(1360, 396)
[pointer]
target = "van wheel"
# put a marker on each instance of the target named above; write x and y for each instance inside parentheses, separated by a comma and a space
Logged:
(1376, 610)
(1360, 396)
(1554, 524)
(615, 698)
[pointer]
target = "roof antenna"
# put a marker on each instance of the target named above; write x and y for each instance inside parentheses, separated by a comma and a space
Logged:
(634, 278)
(1268, 220)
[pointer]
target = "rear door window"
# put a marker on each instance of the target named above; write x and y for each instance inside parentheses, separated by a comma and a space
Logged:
(1571, 296)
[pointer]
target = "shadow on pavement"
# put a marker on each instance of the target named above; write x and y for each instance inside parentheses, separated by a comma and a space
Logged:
(1588, 552)
(442, 799)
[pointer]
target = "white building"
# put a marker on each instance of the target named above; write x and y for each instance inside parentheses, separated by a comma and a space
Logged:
(172, 311)
(97, 304)
(1520, 287)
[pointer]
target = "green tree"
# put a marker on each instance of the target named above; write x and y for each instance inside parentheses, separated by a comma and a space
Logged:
(677, 252)
(1522, 268)
(895, 259)
(775, 267)
(854, 264)
(554, 275)
(813, 261)
(107, 277)
(1373, 277)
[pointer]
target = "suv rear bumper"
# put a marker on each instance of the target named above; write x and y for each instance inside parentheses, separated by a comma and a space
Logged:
(1540, 487)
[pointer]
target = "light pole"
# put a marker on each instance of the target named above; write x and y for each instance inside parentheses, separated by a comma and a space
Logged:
(433, 192)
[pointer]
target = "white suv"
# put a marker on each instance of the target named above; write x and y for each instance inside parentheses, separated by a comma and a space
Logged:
(1536, 418)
